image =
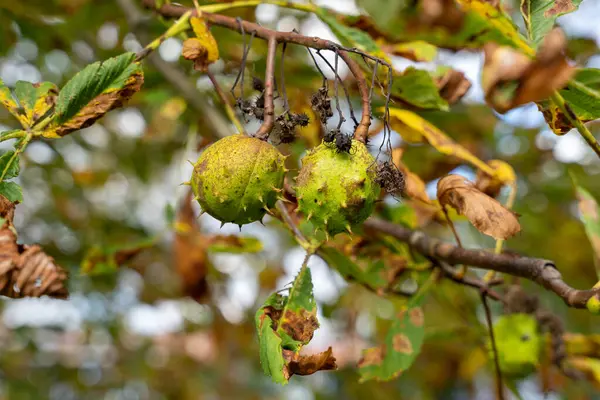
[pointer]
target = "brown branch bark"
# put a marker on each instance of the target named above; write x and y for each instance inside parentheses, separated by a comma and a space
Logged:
(361, 132)
(267, 126)
(543, 272)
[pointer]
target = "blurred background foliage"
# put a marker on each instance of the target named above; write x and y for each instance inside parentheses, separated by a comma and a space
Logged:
(129, 333)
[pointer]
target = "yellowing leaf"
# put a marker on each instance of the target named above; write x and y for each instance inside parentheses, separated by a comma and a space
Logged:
(417, 50)
(485, 213)
(415, 129)
(202, 49)
(504, 174)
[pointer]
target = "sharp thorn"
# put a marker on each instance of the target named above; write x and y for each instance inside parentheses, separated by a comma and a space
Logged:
(240, 225)
(245, 207)
(349, 229)
(309, 216)
(222, 223)
(284, 200)
(191, 163)
(278, 190)
(319, 203)
(344, 204)
(260, 198)
(261, 222)
(326, 235)
(186, 183)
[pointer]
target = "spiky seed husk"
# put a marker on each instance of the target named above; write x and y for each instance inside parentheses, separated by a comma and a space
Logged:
(337, 190)
(234, 179)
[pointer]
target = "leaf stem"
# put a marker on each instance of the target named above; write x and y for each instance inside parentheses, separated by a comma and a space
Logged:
(181, 25)
(576, 122)
(18, 150)
(215, 8)
(14, 135)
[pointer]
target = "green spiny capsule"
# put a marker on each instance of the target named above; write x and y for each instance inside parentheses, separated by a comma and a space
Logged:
(237, 179)
(337, 189)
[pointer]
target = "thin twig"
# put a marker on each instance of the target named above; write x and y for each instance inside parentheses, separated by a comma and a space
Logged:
(488, 318)
(362, 130)
(228, 108)
(267, 126)
(338, 78)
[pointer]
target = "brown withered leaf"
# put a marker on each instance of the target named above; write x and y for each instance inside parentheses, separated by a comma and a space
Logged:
(491, 185)
(511, 79)
(98, 107)
(297, 364)
(189, 251)
(453, 85)
(485, 213)
(26, 271)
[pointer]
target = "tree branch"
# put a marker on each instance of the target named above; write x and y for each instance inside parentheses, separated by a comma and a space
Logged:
(543, 272)
(361, 132)
(267, 126)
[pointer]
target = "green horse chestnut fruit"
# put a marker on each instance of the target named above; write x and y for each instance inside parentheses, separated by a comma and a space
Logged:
(335, 189)
(238, 178)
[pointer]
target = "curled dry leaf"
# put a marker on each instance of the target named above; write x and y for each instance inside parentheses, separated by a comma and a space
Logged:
(202, 49)
(453, 85)
(485, 213)
(190, 258)
(26, 271)
(297, 364)
(504, 174)
(511, 78)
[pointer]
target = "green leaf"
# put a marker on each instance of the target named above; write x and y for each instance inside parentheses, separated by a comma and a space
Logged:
(402, 345)
(582, 94)
(11, 191)
(294, 317)
(234, 244)
(590, 215)
(418, 88)
(91, 93)
(516, 331)
(9, 165)
(271, 356)
(90, 82)
(299, 314)
(107, 260)
(540, 16)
